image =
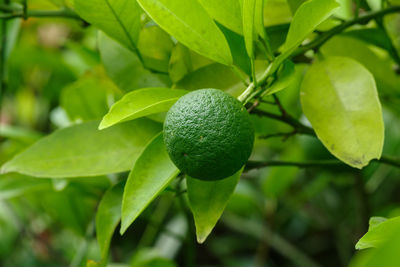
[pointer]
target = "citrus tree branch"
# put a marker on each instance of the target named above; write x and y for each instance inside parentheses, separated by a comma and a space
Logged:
(333, 163)
(321, 39)
(313, 45)
(20, 13)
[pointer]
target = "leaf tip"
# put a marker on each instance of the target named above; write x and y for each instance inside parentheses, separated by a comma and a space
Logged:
(103, 125)
(202, 235)
(201, 238)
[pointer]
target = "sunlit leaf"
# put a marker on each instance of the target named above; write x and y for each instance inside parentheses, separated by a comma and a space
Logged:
(119, 19)
(140, 103)
(151, 174)
(83, 150)
(226, 12)
(339, 98)
(190, 24)
(380, 231)
(307, 17)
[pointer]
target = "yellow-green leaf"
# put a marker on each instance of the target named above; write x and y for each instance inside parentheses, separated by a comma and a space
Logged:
(151, 174)
(140, 103)
(339, 98)
(190, 24)
(83, 150)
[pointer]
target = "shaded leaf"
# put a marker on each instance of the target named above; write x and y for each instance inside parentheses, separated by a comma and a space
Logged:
(107, 218)
(339, 98)
(86, 99)
(155, 46)
(208, 200)
(15, 185)
(285, 78)
(125, 68)
(190, 24)
(150, 175)
(83, 150)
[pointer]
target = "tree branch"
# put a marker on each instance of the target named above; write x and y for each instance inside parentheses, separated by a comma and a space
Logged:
(288, 119)
(319, 41)
(333, 163)
(18, 13)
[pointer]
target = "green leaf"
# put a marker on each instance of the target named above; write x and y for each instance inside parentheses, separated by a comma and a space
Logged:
(86, 99)
(107, 218)
(183, 61)
(210, 76)
(295, 4)
(146, 257)
(125, 68)
(387, 255)
(190, 24)
(285, 78)
(208, 200)
(150, 175)
(307, 17)
(226, 12)
(238, 49)
(248, 25)
(140, 103)
(15, 185)
(83, 150)
(277, 35)
(339, 98)
(379, 64)
(259, 20)
(155, 46)
(119, 19)
(379, 232)
(373, 36)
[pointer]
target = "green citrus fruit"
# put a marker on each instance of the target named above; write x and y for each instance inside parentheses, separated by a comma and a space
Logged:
(208, 134)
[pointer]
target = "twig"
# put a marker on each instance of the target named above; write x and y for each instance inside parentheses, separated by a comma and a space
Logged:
(298, 126)
(284, 135)
(278, 103)
(306, 164)
(338, 29)
(65, 13)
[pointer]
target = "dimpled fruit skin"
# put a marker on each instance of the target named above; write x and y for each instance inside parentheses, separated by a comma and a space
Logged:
(208, 134)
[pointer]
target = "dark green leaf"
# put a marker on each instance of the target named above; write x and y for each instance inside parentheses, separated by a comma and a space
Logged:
(207, 201)
(107, 218)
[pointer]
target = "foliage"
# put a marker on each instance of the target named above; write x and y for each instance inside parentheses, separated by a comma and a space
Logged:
(86, 179)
